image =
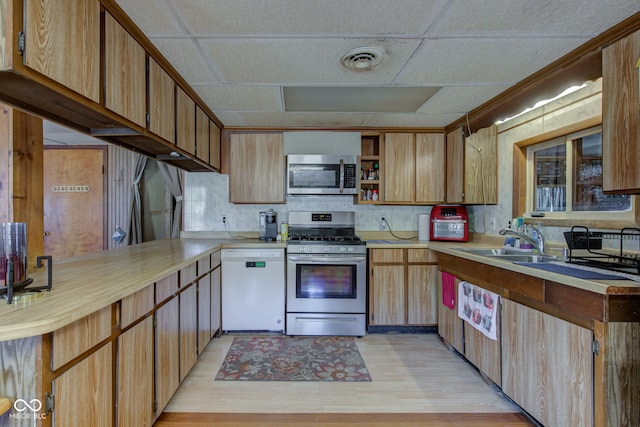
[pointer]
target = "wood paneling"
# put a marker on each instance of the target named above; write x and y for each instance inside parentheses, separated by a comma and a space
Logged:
(63, 43)
(547, 366)
(69, 342)
(125, 73)
(257, 168)
(83, 394)
(120, 168)
(455, 166)
(137, 305)
(185, 121)
(400, 163)
(5, 48)
(20, 361)
(135, 375)
(162, 116)
(430, 168)
(167, 372)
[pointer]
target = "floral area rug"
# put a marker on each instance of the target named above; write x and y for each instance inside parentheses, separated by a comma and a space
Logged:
(293, 359)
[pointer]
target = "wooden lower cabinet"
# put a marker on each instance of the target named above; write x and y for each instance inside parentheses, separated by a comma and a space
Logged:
(188, 330)
(216, 300)
(547, 366)
(402, 287)
(84, 393)
(204, 303)
(484, 352)
(167, 357)
(135, 375)
(450, 326)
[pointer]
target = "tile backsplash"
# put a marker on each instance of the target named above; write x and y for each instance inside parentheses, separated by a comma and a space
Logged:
(206, 201)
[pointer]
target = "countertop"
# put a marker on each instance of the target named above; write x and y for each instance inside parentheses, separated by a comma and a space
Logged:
(83, 285)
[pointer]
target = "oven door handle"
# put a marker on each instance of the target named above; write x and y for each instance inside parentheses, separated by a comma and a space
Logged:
(324, 259)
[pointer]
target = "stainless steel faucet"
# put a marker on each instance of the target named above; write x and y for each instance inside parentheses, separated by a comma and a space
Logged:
(537, 242)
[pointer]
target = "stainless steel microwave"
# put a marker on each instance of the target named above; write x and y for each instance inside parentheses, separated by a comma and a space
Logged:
(322, 174)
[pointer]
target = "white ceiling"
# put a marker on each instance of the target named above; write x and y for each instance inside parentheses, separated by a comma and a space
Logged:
(239, 54)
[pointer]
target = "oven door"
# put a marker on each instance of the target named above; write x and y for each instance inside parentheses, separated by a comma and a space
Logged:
(326, 283)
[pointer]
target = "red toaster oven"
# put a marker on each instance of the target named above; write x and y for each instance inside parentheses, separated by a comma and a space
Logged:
(449, 223)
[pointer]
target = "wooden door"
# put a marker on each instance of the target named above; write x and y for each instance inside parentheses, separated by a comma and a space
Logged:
(455, 166)
(430, 168)
(484, 352)
(214, 145)
(202, 135)
(449, 324)
(481, 167)
(185, 122)
(188, 330)
(216, 301)
(400, 174)
(422, 308)
(162, 99)
(387, 295)
(167, 367)
(74, 198)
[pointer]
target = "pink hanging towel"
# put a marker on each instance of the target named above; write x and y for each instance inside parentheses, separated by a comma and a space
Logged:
(449, 290)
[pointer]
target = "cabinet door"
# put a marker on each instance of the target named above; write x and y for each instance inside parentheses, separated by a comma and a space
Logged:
(483, 352)
(400, 174)
(422, 308)
(185, 122)
(204, 312)
(162, 110)
(202, 135)
(430, 168)
(135, 375)
(167, 368)
(84, 393)
(188, 330)
(547, 366)
(449, 324)
(481, 167)
(216, 301)
(455, 166)
(256, 172)
(387, 295)
(621, 116)
(63, 43)
(124, 73)
(214, 145)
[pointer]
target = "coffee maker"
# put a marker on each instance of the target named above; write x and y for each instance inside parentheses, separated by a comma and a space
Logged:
(268, 225)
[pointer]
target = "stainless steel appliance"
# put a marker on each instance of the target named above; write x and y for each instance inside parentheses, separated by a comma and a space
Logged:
(268, 225)
(326, 280)
(449, 223)
(322, 174)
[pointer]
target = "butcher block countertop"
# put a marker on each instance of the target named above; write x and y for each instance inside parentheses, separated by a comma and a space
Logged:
(83, 285)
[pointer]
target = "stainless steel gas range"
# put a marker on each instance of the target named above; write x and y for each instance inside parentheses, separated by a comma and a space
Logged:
(326, 281)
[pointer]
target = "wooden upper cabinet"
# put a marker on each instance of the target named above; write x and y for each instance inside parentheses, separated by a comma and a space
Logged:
(63, 43)
(455, 166)
(621, 116)
(125, 73)
(202, 135)
(400, 174)
(162, 110)
(430, 166)
(185, 122)
(481, 167)
(214, 145)
(256, 168)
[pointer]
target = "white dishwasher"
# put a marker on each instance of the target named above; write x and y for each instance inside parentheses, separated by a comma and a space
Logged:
(253, 289)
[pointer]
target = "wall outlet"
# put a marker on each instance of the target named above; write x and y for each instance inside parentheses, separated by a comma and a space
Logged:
(224, 219)
(383, 224)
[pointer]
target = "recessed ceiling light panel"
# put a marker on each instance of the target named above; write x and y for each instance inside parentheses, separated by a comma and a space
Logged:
(362, 58)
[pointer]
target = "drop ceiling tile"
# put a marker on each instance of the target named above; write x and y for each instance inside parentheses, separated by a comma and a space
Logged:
(460, 99)
(410, 120)
(546, 18)
(501, 61)
(280, 120)
(153, 17)
(241, 97)
(307, 17)
(187, 59)
(302, 62)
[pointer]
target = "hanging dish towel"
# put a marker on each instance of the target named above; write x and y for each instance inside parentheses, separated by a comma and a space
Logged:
(478, 308)
(449, 290)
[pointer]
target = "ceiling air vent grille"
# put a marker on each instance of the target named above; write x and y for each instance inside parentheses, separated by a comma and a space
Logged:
(362, 58)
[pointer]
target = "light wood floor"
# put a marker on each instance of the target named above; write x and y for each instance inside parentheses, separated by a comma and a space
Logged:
(416, 381)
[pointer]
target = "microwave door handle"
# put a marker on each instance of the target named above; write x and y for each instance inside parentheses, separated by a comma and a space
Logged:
(341, 175)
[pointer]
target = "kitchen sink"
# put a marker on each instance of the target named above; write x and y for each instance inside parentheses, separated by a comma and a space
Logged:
(503, 254)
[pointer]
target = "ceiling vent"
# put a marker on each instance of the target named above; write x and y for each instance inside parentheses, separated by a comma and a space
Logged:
(362, 58)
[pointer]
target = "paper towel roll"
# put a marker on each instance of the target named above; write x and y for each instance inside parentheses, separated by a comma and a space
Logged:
(423, 227)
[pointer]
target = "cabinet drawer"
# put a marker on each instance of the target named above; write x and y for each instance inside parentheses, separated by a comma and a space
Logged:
(422, 256)
(204, 265)
(72, 340)
(166, 287)
(188, 275)
(215, 259)
(387, 255)
(135, 306)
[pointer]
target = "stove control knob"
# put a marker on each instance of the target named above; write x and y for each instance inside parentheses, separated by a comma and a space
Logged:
(343, 249)
(351, 249)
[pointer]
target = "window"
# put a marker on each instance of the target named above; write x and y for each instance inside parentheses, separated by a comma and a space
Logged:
(564, 178)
